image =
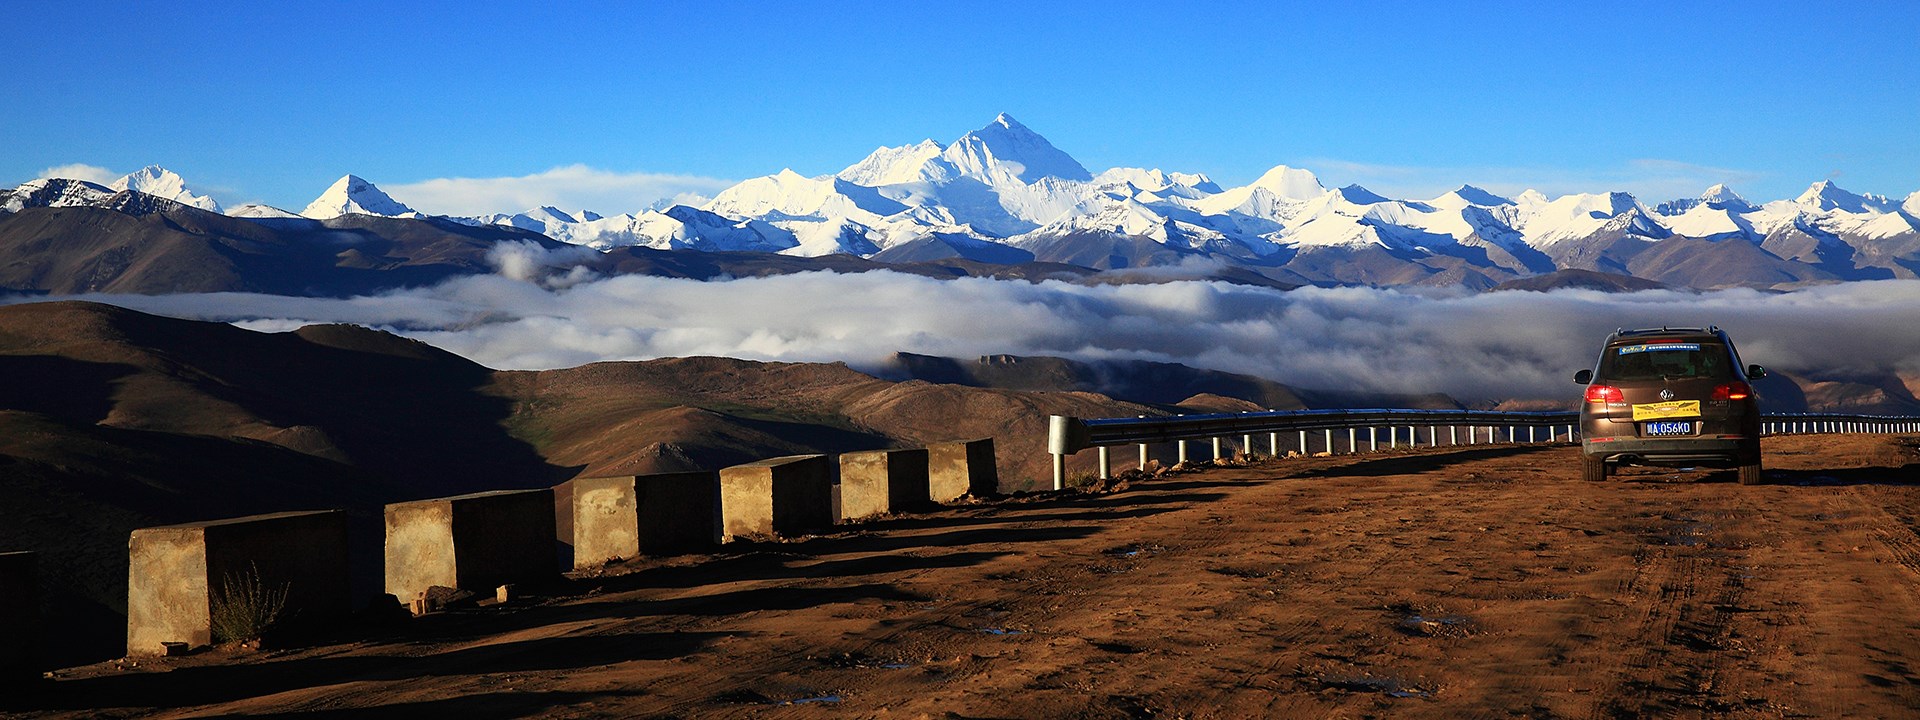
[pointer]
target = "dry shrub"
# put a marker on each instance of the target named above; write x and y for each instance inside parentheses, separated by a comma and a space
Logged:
(246, 607)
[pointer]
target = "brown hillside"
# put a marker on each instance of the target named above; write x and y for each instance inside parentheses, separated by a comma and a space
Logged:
(114, 419)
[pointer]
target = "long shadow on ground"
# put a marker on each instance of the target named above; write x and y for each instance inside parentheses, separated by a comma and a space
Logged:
(1424, 462)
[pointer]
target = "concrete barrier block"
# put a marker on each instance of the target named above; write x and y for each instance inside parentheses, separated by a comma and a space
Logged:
(180, 577)
(474, 542)
(958, 469)
(784, 495)
(19, 618)
(877, 482)
(631, 515)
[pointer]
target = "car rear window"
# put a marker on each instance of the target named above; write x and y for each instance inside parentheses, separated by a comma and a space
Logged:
(1666, 360)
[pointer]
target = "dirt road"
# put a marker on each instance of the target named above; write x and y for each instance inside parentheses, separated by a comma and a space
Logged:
(1480, 582)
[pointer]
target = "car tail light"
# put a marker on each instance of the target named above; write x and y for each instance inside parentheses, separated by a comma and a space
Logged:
(1733, 391)
(1604, 394)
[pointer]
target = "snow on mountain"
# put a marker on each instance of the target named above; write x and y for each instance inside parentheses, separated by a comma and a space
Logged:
(1354, 216)
(350, 194)
(1467, 196)
(1004, 185)
(54, 192)
(255, 211)
(546, 220)
(1126, 217)
(892, 166)
(1004, 152)
(1706, 221)
(1275, 197)
(161, 182)
(1889, 225)
(1912, 205)
(1825, 195)
(1723, 197)
(790, 194)
(679, 228)
(1571, 217)
(1159, 183)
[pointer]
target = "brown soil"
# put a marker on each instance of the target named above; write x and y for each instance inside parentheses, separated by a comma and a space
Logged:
(1472, 582)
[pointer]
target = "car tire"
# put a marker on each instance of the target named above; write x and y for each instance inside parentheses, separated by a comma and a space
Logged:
(1750, 473)
(1594, 469)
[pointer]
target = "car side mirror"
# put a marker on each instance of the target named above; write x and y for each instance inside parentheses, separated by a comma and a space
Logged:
(1586, 376)
(1755, 372)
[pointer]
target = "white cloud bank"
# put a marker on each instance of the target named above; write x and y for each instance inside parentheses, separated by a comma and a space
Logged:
(1473, 347)
(571, 187)
(81, 171)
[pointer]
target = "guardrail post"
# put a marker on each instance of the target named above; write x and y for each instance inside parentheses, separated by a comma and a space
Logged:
(1246, 445)
(1273, 444)
(1433, 436)
(1065, 436)
(1353, 440)
(1329, 441)
(1143, 457)
(1106, 463)
(1181, 447)
(1373, 439)
(1530, 430)
(1216, 448)
(1303, 443)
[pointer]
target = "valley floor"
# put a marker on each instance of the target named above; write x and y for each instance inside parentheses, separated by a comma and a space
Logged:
(1471, 582)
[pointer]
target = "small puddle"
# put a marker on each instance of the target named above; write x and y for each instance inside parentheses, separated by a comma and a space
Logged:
(1391, 687)
(1436, 626)
(829, 699)
(1001, 631)
(1134, 551)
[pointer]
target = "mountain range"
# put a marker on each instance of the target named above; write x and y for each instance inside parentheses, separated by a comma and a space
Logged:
(1004, 194)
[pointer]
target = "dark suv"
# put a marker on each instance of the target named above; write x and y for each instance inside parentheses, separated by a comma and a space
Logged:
(1673, 397)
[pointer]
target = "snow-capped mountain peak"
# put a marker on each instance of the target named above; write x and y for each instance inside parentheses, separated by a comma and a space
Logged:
(1721, 197)
(1718, 197)
(53, 192)
(892, 165)
(161, 182)
(1290, 183)
(1478, 196)
(1359, 195)
(1006, 150)
(353, 195)
(1825, 195)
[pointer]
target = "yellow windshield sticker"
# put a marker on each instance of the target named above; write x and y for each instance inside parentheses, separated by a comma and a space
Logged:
(1662, 411)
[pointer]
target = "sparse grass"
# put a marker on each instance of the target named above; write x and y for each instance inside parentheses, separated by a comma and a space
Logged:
(245, 607)
(1082, 479)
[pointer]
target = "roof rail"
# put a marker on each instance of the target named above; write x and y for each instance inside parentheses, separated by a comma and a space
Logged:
(1665, 329)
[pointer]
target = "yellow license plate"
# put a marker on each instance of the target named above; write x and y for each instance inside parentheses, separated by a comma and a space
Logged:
(1661, 411)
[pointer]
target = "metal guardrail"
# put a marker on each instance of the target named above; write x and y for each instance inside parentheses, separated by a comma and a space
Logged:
(1069, 435)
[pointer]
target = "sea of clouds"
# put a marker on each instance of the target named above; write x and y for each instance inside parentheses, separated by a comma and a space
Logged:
(538, 313)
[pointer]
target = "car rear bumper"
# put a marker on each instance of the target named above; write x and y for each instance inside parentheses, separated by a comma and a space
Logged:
(1671, 451)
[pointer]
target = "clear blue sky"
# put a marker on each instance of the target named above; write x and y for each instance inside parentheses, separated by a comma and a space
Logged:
(272, 101)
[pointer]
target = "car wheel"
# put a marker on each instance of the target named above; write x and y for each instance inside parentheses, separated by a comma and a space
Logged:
(1594, 469)
(1750, 472)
